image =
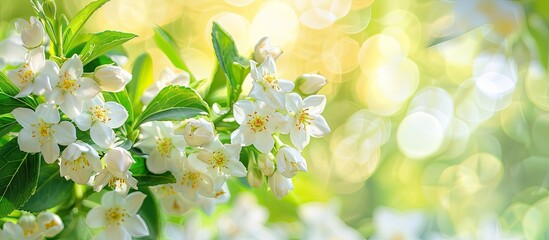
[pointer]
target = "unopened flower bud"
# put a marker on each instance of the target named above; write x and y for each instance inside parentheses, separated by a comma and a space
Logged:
(32, 33)
(112, 78)
(50, 224)
(280, 185)
(263, 48)
(310, 83)
(255, 178)
(265, 163)
(289, 161)
(198, 132)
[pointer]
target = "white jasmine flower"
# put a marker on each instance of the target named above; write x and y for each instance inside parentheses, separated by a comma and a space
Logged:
(289, 161)
(390, 224)
(118, 216)
(266, 163)
(266, 85)
(163, 146)
(42, 131)
(193, 178)
(280, 185)
(198, 132)
(101, 118)
(32, 33)
(167, 78)
(257, 124)
(29, 77)
(79, 161)
(50, 224)
(116, 174)
(112, 78)
(305, 118)
(263, 49)
(69, 89)
(12, 231)
(310, 83)
(224, 158)
(31, 229)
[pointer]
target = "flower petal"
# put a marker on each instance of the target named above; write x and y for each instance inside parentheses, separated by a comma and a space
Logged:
(134, 201)
(50, 150)
(25, 91)
(264, 142)
(37, 59)
(236, 168)
(88, 88)
(48, 78)
(156, 163)
(102, 135)
(285, 85)
(64, 133)
(241, 109)
(299, 138)
(293, 102)
(83, 121)
(319, 127)
(315, 103)
(73, 66)
(118, 114)
(48, 112)
(112, 199)
(136, 226)
(117, 232)
(26, 142)
(24, 116)
(71, 106)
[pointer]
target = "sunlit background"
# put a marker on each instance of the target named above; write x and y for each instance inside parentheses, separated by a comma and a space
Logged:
(438, 109)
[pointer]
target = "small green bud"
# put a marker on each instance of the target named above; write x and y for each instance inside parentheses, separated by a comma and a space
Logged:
(50, 8)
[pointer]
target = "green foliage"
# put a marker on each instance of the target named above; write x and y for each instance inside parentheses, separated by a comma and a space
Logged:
(142, 77)
(174, 103)
(150, 212)
(79, 20)
(166, 43)
(52, 189)
(7, 125)
(77, 229)
(102, 42)
(233, 65)
(18, 176)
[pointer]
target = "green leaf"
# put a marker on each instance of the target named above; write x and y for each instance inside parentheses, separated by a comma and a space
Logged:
(150, 212)
(52, 189)
(168, 46)
(142, 77)
(18, 176)
(79, 20)
(219, 82)
(174, 103)
(101, 42)
(6, 86)
(151, 179)
(8, 103)
(233, 65)
(7, 125)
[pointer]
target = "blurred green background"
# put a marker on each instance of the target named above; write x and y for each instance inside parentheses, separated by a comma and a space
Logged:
(437, 107)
